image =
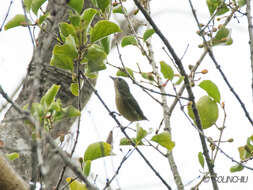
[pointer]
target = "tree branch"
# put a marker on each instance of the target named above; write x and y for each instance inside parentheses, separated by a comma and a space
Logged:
(188, 88)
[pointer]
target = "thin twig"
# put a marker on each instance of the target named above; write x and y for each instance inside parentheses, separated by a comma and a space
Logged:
(143, 87)
(188, 87)
(12, 95)
(69, 163)
(28, 26)
(210, 52)
(250, 30)
(118, 169)
(6, 16)
(123, 131)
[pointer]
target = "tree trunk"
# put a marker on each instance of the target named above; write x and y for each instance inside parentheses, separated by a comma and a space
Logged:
(16, 134)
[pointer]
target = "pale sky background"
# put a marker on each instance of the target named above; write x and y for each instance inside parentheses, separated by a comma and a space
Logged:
(176, 21)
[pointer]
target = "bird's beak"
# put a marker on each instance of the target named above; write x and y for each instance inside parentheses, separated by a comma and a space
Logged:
(113, 78)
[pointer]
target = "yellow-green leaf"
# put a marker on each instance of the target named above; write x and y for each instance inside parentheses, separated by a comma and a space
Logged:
(76, 5)
(148, 33)
(148, 76)
(166, 70)
(222, 37)
(128, 40)
(71, 111)
(241, 3)
(180, 80)
(106, 44)
(103, 4)
(87, 16)
(102, 29)
(74, 88)
(17, 20)
(122, 73)
(236, 168)
(67, 29)
(95, 57)
(12, 156)
(125, 141)
(36, 4)
(211, 89)
(75, 184)
(208, 111)
(140, 133)
(43, 17)
(119, 10)
(68, 49)
(164, 139)
(86, 168)
(63, 62)
(97, 150)
(201, 159)
(214, 4)
(28, 4)
(49, 97)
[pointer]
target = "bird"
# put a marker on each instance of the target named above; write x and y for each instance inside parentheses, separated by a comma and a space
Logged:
(126, 104)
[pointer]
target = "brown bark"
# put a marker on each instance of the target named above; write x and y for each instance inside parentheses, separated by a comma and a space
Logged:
(16, 134)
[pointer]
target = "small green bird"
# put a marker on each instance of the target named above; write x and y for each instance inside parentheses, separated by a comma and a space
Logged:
(125, 102)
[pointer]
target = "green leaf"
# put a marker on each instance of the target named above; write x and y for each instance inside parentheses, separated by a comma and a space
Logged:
(149, 76)
(241, 3)
(17, 20)
(75, 184)
(106, 44)
(67, 29)
(86, 168)
(63, 62)
(71, 111)
(123, 73)
(180, 80)
(148, 33)
(36, 4)
(91, 75)
(222, 37)
(141, 133)
(37, 111)
(43, 17)
(125, 142)
(164, 139)
(97, 150)
(74, 88)
(236, 168)
(103, 4)
(119, 10)
(208, 111)
(56, 106)
(96, 57)
(214, 4)
(12, 156)
(68, 49)
(128, 40)
(211, 89)
(49, 97)
(201, 159)
(242, 152)
(76, 5)
(28, 4)
(87, 16)
(75, 20)
(166, 70)
(102, 29)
